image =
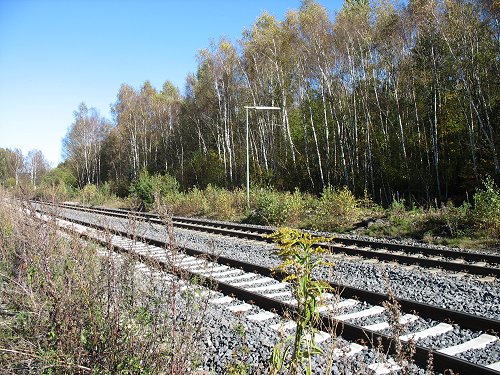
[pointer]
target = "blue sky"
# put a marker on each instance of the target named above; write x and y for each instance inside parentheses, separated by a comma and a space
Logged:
(57, 54)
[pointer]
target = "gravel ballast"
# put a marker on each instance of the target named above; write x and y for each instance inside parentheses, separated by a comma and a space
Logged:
(444, 289)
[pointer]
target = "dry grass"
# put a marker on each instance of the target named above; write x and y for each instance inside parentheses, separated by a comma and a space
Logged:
(76, 308)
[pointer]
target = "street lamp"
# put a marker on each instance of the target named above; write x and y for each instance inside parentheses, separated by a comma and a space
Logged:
(247, 148)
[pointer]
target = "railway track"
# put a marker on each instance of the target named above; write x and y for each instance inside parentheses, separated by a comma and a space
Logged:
(487, 265)
(250, 282)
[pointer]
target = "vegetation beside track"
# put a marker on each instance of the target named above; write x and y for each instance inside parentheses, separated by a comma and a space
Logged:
(67, 309)
(473, 224)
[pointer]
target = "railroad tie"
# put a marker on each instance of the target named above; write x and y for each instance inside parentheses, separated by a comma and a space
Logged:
(375, 310)
(477, 343)
(433, 331)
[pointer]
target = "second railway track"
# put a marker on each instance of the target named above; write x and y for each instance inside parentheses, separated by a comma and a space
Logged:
(475, 263)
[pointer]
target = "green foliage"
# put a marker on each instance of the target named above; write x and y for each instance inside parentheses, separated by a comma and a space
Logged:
(61, 175)
(90, 194)
(276, 208)
(143, 189)
(459, 220)
(336, 210)
(268, 207)
(194, 203)
(147, 189)
(10, 182)
(95, 195)
(205, 168)
(487, 207)
(465, 225)
(300, 258)
(58, 184)
(223, 204)
(399, 216)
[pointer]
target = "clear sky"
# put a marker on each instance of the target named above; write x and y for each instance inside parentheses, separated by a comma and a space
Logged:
(57, 54)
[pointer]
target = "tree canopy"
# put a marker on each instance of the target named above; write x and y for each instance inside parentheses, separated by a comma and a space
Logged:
(383, 97)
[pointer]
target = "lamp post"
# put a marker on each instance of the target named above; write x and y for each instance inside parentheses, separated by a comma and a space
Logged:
(247, 148)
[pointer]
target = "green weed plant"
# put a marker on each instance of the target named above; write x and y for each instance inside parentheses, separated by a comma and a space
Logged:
(300, 258)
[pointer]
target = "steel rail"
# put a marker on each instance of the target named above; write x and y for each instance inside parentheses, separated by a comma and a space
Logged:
(338, 244)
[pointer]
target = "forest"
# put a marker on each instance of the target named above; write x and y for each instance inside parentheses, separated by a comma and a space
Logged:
(386, 99)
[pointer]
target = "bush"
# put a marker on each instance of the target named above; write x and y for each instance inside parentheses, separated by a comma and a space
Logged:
(192, 203)
(167, 185)
(458, 220)
(276, 208)
(149, 189)
(143, 190)
(90, 194)
(487, 208)
(399, 216)
(57, 184)
(336, 210)
(223, 204)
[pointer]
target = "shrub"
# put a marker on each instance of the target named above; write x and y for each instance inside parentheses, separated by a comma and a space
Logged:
(400, 218)
(223, 204)
(60, 176)
(267, 208)
(90, 194)
(487, 208)
(192, 203)
(337, 209)
(295, 207)
(143, 190)
(275, 208)
(459, 220)
(167, 185)
(57, 184)
(149, 189)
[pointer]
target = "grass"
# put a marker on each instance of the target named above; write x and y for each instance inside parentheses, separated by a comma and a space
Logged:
(448, 225)
(78, 308)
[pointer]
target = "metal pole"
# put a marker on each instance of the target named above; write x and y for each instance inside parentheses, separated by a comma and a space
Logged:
(248, 166)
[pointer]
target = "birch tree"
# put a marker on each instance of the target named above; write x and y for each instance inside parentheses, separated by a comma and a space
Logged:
(36, 166)
(83, 143)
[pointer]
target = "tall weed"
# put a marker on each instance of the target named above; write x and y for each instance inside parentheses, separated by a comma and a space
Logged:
(79, 309)
(300, 259)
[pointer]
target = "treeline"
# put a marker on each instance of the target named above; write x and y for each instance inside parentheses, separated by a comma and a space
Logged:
(385, 98)
(17, 169)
